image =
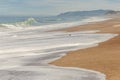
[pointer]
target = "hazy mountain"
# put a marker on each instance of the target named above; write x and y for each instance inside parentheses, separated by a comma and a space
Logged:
(113, 13)
(79, 15)
(84, 13)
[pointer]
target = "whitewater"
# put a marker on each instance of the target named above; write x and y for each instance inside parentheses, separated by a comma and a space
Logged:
(26, 51)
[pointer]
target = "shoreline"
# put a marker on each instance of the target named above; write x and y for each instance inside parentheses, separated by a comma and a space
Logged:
(104, 58)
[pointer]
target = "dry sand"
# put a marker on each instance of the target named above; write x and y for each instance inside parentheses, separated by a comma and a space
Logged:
(104, 58)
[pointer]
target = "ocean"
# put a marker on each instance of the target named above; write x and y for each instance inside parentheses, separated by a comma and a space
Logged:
(38, 21)
(27, 46)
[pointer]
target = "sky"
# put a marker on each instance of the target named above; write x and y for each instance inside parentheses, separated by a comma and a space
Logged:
(53, 7)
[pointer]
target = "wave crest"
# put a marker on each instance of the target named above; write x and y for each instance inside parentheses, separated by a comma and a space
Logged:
(28, 22)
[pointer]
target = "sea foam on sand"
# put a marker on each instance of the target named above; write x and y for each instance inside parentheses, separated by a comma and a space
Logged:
(25, 54)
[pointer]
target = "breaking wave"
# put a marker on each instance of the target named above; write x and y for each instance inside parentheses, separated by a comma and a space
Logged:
(28, 22)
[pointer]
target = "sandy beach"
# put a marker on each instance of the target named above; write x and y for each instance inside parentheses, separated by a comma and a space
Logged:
(59, 40)
(104, 58)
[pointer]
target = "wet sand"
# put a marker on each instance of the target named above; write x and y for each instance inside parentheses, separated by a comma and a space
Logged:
(104, 58)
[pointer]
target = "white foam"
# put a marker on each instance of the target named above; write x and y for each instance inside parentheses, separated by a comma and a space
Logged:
(95, 19)
(27, 52)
